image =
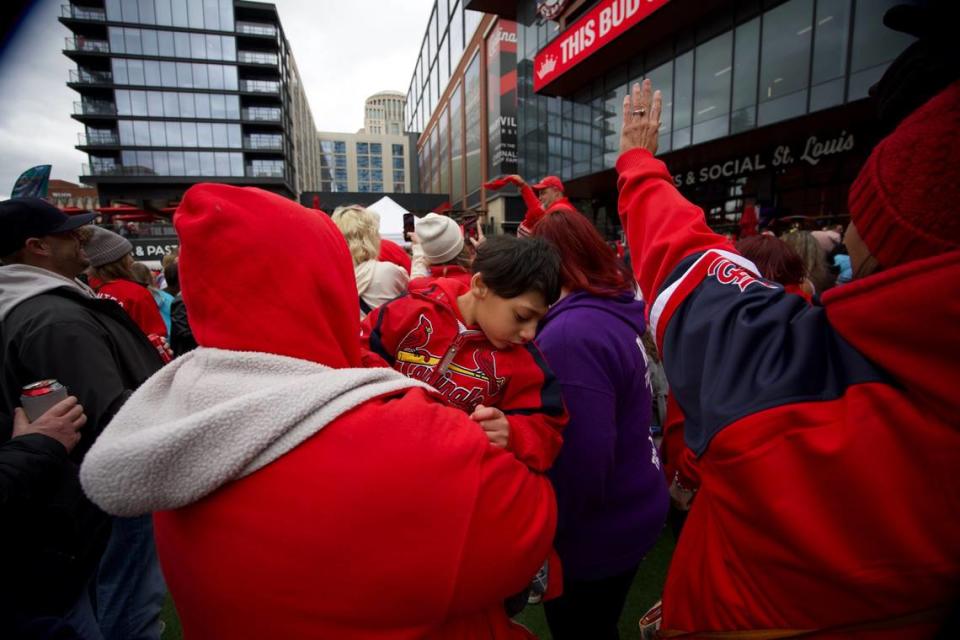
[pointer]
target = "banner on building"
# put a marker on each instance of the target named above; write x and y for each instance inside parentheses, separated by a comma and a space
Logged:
(153, 248)
(32, 183)
(502, 98)
(601, 25)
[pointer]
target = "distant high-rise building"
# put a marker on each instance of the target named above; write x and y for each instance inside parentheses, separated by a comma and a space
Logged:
(175, 92)
(383, 113)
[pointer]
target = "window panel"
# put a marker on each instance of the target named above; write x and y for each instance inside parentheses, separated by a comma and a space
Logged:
(151, 73)
(168, 74)
(115, 38)
(228, 47)
(179, 8)
(177, 167)
(236, 164)
(830, 40)
(204, 134)
(218, 106)
(164, 15)
(214, 48)
(125, 128)
(154, 104)
(235, 136)
(216, 75)
(184, 75)
(211, 14)
(745, 66)
(120, 71)
(198, 46)
(130, 10)
(195, 14)
(189, 130)
(712, 88)
(165, 43)
(138, 100)
(230, 78)
(141, 133)
(223, 164)
(787, 32)
(174, 137)
(682, 99)
(233, 107)
(181, 43)
(207, 166)
(147, 15)
(150, 42)
(200, 78)
(226, 20)
(158, 136)
(187, 109)
(114, 13)
(123, 102)
(202, 102)
(220, 135)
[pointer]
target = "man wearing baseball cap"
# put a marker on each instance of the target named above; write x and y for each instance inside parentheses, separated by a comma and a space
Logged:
(53, 326)
(540, 198)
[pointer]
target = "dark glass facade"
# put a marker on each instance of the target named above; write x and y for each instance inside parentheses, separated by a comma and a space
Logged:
(174, 92)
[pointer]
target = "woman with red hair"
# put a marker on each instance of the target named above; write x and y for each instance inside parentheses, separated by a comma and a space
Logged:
(611, 495)
(778, 262)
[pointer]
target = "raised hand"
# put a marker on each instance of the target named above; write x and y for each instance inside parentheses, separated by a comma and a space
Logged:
(641, 118)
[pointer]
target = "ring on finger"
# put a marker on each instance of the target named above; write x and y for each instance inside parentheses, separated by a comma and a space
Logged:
(639, 112)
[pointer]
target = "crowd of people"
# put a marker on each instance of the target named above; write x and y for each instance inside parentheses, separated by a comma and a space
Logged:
(346, 441)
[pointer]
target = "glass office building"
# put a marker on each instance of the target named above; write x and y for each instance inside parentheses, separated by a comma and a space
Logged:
(174, 92)
(765, 101)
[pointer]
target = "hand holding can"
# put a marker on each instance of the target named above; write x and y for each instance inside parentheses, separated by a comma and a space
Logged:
(62, 422)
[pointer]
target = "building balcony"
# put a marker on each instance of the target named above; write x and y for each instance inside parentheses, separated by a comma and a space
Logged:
(98, 139)
(115, 170)
(258, 57)
(260, 86)
(263, 142)
(262, 114)
(82, 76)
(89, 45)
(90, 14)
(257, 29)
(94, 108)
(264, 172)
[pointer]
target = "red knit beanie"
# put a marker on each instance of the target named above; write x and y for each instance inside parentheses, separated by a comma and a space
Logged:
(906, 201)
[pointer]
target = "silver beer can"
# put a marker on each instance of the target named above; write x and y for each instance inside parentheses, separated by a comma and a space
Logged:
(36, 398)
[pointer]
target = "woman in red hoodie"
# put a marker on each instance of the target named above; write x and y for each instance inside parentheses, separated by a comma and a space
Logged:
(111, 276)
(296, 495)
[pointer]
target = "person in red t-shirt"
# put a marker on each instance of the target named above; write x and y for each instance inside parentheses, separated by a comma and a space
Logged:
(111, 261)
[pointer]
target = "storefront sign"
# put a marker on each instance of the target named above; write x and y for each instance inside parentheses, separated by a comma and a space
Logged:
(599, 26)
(502, 98)
(813, 150)
(153, 248)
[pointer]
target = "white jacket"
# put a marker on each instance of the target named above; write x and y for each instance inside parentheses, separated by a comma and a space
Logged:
(379, 282)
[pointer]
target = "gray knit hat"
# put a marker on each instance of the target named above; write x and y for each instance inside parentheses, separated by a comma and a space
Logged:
(105, 246)
(440, 238)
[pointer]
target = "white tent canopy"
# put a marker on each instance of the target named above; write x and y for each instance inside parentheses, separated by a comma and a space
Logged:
(391, 218)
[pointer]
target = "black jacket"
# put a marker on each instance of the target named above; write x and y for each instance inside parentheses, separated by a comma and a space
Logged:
(181, 336)
(90, 345)
(52, 537)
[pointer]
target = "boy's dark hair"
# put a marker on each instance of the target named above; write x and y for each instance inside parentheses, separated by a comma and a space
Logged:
(512, 266)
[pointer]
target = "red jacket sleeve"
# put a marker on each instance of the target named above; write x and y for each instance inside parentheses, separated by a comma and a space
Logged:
(662, 227)
(534, 408)
(534, 210)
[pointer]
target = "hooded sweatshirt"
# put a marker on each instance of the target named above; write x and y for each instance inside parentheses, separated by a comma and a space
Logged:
(611, 495)
(826, 436)
(347, 502)
(423, 336)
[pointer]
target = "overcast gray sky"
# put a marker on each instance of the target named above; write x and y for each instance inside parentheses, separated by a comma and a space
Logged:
(345, 51)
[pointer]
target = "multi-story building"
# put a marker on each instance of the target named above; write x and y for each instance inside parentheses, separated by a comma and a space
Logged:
(70, 196)
(765, 101)
(174, 92)
(383, 113)
(367, 162)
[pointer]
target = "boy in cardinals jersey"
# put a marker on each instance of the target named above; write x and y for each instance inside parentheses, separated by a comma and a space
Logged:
(474, 344)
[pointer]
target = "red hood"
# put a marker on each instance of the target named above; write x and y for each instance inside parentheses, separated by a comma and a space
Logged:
(905, 320)
(261, 273)
(446, 291)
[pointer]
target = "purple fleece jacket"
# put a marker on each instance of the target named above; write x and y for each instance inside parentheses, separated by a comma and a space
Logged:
(611, 494)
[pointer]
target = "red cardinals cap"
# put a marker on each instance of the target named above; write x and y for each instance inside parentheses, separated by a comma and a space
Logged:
(549, 181)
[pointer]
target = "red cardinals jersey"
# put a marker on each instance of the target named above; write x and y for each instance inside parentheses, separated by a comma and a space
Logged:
(423, 336)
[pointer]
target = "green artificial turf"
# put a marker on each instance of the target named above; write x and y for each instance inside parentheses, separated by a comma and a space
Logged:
(644, 592)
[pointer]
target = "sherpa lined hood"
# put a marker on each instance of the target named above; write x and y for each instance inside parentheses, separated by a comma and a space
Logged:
(214, 416)
(20, 282)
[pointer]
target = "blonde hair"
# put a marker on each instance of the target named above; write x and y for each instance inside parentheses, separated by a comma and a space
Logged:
(361, 228)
